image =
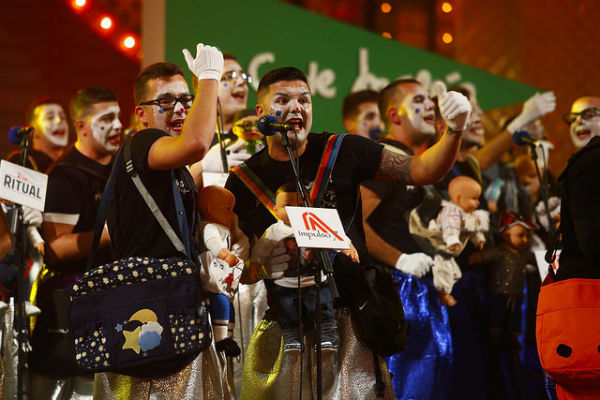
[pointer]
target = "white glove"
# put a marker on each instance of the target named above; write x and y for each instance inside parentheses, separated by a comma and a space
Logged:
(32, 216)
(208, 63)
(454, 107)
(417, 264)
(272, 255)
(533, 109)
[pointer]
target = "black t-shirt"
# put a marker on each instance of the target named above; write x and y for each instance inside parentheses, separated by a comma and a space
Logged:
(390, 218)
(36, 160)
(358, 160)
(134, 230)
(580, 201)
(75, 186)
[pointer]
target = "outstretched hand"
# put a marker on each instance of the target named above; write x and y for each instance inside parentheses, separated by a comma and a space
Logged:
(454, 107)
(534, 108)
(208, 63)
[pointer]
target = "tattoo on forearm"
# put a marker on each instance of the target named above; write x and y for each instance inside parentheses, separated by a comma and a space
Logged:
(394, 167)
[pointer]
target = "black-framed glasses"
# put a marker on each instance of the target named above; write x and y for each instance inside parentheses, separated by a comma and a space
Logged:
(586, 114)
(168, 102)
(247, 126)
(233, 75)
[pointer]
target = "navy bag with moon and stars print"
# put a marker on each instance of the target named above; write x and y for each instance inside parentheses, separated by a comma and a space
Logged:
(140, 316)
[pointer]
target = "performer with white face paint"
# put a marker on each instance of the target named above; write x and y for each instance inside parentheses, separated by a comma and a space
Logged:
(178, 130)
(360, 114)
(75, 185)
(284, 93)
(50, 136)
(409, 115)
(584, 120)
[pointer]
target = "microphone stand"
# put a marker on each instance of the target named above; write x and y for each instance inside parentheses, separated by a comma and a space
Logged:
(220, 138)
(544, 195)
(326, 262)
(18, 231)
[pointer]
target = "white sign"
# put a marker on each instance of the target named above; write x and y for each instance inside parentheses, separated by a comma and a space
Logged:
(23, 185)
(214, 178)
(543, 265)
(318, 227)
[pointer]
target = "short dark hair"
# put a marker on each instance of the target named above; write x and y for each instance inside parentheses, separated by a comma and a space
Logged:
(355, 99)
(278, 75)
(32, 108)
(229, 56)
(388, 94)
(462, 90)
(288, 187)
(85, 98)
(154, 71)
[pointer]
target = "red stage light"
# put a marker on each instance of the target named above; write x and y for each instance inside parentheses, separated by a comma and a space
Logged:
(79, 3)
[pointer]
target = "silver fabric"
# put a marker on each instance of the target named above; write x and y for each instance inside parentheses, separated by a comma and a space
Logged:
(43, 387)
(349, 373)
(249, 310)
(204, 378)
(9, 353)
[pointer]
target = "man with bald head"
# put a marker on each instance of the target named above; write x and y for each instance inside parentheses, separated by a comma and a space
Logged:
(580, 208)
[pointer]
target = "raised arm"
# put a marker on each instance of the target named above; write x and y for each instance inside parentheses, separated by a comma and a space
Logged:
(433, 164)
(199, 126)
(533, 109)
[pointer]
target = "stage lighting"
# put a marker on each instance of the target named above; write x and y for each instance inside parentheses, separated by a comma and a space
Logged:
(446, 7)
(79, 3)
(447, 38)
(129, 42)
(106, 23)
(386, 35)
(385, 8)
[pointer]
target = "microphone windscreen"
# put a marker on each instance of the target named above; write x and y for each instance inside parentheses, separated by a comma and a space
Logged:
(13, 135)
(522, 138)
(264, 125)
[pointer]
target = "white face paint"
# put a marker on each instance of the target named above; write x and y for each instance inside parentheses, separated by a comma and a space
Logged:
(368, 120)
(170, 121)
(233, 92)
(474, 132)
(420, 110)
(50, 124)
(586, 124)
(107, 129)
(290, 101)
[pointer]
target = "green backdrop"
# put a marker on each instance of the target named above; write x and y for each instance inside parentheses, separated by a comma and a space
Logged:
(265, 34)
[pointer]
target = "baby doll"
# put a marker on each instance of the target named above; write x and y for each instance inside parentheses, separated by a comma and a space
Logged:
(456, 223)
(282, 287)
(227, 248)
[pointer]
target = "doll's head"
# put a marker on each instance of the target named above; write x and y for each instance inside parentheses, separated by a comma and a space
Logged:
(245, 125)
(516, 230)
(286, 195)
(465, 192)
(215, 204)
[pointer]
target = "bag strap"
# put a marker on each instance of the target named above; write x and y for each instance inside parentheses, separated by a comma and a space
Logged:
(125, 151)
(258, 188)
(183, 247)
(330, 153)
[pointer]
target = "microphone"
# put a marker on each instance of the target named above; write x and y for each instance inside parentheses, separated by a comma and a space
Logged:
(16, 133)
(269, 125)
(523, 138)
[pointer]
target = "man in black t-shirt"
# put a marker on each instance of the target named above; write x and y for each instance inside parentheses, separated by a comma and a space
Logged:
(179, 129)
(50, 135)
(75, 186)
(284, 93)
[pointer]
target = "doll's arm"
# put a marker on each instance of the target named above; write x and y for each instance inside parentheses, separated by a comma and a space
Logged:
(352, 253)
(217, 246)
(35, 238)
